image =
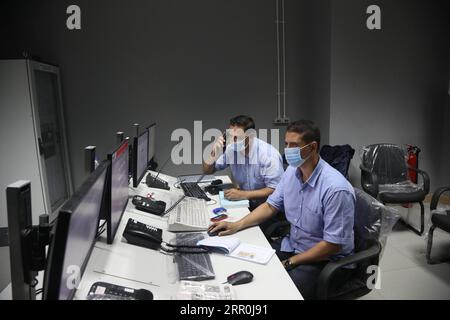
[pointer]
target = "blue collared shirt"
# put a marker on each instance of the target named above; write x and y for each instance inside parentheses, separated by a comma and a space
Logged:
(322, 208)
(262, 167)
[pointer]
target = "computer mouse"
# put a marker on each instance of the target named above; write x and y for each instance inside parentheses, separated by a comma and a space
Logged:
(213, 234)
(216, 182)
(240, 277)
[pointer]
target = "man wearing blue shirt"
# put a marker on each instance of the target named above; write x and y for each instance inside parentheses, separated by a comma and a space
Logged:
(255, 165)
(318, 202)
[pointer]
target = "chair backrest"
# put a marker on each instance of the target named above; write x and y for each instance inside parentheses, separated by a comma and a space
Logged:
(387, 160)
(338, 157)
(368, 218)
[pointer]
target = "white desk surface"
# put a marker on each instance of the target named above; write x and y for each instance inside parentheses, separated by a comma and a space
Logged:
(129, 265)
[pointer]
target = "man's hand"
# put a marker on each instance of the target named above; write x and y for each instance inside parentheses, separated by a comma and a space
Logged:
(234, 194)
(224, 228)
(218, 146)
(216, 151)
(288, 264)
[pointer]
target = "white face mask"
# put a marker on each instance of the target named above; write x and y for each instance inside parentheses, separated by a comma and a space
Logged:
(237, 146)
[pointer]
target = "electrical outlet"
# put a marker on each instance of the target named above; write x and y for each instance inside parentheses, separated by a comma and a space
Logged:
(281, 121)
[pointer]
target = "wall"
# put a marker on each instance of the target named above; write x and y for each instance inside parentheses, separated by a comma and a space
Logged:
(390, 85)
(165, 61)
(444, 149)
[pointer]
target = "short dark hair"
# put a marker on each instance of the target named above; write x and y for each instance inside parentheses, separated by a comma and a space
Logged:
(308, 129)
(244, 122)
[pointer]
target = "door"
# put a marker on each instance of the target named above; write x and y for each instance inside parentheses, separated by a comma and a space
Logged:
(49, 122)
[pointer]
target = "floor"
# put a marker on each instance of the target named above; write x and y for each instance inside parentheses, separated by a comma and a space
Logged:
(405, 273)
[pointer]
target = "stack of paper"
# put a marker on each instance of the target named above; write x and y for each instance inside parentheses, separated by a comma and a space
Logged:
(232, 204)
(233, 247)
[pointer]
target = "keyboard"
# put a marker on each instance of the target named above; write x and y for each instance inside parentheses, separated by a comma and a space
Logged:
(190, 215)
(155, 182)
(192, 189)
(193, 266)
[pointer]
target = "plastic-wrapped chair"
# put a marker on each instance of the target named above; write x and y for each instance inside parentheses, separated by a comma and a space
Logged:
(441, 221)
(338, 157)
(372, 225)
(384, 175)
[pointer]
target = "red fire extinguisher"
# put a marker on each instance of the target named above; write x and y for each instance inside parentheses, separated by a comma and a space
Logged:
(413, 161)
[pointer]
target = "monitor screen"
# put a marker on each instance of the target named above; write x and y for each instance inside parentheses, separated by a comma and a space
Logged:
(151, 141)
(118, 188)
(75, 233)
(140, 157)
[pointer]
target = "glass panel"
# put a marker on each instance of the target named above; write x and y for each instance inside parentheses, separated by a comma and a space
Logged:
(48, 106)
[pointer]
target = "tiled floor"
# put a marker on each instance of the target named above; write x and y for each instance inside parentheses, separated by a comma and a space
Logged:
(405, 273)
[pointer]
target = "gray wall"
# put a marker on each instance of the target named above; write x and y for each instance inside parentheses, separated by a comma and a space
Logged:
(165, 61)
(390, 85)
(174, 62)
(444, 150)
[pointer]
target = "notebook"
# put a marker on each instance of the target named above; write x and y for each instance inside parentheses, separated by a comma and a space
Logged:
(233, 247)
(232, 203)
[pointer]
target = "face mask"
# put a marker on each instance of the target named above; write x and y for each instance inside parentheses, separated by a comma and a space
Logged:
(294, 157)
(237, 146)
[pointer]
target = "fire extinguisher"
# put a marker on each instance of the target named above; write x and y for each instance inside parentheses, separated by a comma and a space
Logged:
(413, 161)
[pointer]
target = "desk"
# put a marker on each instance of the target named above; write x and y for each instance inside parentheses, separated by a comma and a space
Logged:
(129, 265)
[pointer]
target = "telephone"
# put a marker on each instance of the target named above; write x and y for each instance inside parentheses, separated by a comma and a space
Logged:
(143, 235)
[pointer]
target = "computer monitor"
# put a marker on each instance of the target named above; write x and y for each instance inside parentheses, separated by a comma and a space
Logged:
(140, 154)
(117, 189)
(151, 141)
(74, 237)
(18, 198)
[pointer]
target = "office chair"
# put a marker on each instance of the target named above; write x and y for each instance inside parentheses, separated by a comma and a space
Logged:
(338, 157)
(384, 175)
(438, 220)
(370, 230)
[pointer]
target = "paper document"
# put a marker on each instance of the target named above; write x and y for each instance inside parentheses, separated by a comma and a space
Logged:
(233, 247)
(232, 204)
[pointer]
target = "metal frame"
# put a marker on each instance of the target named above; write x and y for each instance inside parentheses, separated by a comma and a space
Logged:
(31, 67)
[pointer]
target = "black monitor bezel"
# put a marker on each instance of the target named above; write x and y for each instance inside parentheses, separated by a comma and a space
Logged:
(137, 179)
(58, 243)
(148, 147)
(110, 233)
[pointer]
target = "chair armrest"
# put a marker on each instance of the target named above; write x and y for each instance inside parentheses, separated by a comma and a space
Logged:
(436, 195)
(425, 177)
(328, 271)
(374, 179)
(270, 231)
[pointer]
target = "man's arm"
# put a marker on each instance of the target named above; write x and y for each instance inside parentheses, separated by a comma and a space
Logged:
(260, 214)
(209, 165)
(236, 194)
(319, 252)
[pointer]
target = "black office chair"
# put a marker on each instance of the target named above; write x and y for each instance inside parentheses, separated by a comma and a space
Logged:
(441, 221)
(369, 216)
(339, 157)
(384, 175)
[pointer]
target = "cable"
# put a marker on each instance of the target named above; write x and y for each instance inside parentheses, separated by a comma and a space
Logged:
(215, 202)
(100, 230)
(179, 249)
